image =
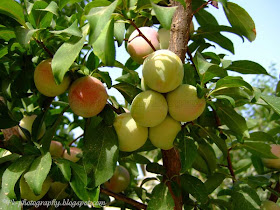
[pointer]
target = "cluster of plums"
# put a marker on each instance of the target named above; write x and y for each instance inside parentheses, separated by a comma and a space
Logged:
(164, 103)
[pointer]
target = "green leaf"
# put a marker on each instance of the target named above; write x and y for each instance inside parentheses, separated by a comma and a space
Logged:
(40, 19)
(273, 102)
(164, 15)
(98, 18)
(7, 204)
(100, 153)
(6, 33)
(214, 181)
(195, 187)
(161, 198)
(188, 152)
(240, 20)
(217, 140)
(232, 120)
(260, 149)
(241, 201)
(66, 55)
(24, 35)
(231, 81)
(119, 30)
(71, 30)
(5, 119)
(261, 136)
(156, 168)
(12, 9)
(96, 3)
(65, 168)
(63, 3)
(104, 46)
(258, 164)
(79, 184)
(247, 67)
(207, 70)
(52, 7)
(205, 18)
(127, 90)
(38, 172)
(13, 173)
(208, 154)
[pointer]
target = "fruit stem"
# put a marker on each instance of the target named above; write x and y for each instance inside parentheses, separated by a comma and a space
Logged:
(44, 47)
(141, 34)
(273, 197)
(121, 197)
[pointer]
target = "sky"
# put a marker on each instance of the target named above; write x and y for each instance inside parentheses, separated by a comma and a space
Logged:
(264, 50)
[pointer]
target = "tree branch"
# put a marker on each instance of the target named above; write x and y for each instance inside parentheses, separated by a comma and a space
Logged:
(273, 197)
(179, 36)
(230, 167)
(121, 197)
(44, 47)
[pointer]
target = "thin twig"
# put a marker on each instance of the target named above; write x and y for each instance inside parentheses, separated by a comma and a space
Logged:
(75, 139)
(230, 167)
(118, 111)
(141, 34)
(121, 197)
(44, 47)
(202, 6)
(273, 197)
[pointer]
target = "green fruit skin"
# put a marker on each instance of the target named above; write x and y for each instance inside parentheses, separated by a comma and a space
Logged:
(149, 108)
(119, 181)
(163, 71)
(273, 163)
(27, 122)
(28, 194)
(57, 191)
(131, 135)
(56, 149)
(183, 103)
(164, 37)
(144, 86)
(269, 205)
(164, 134)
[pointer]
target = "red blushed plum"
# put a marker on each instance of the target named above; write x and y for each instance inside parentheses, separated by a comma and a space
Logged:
(138, 48)
(87, 96)
(44, 80)
(119, 181)
(273, 163)
(74, 154)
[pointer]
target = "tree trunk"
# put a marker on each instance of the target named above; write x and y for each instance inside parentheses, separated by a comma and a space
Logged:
(178, 43)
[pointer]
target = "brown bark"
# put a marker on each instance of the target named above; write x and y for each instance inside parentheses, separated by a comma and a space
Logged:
(179, 37)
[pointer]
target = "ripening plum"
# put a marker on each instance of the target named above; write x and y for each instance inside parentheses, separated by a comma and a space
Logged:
(44, 80)
(27, 122)
(57, 191)
(28, 194)
(273, 163)
(144, 86)
(56, 149)
(131, 135)
(149, 108)
(74, 155)
(87, 96)
(183, 103)
(138, 48)
(119, 181)
(269, 205)
(163, 71)
(164, 134)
